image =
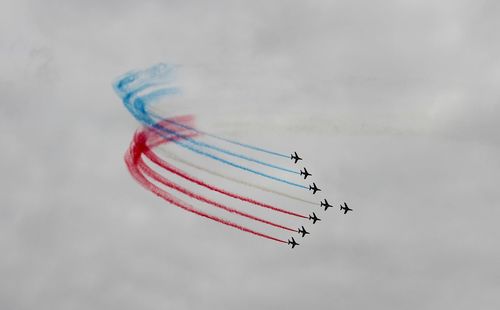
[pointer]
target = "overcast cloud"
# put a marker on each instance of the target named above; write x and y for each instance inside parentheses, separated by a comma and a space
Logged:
(394, 104)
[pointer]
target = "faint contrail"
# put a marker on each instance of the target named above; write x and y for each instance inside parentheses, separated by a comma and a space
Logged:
(212, 172)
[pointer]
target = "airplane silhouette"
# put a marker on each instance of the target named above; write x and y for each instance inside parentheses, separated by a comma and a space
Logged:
(303, 231)
(346, 208)
(314, 188)
(305, 173)
(326, 204)
(293, 243)
(314, 218)
(295, 157)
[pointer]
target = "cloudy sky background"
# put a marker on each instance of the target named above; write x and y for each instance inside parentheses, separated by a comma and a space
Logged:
(394, 104)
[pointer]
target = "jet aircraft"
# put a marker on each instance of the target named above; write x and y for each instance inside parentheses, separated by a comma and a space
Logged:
(305, 173)
(326, 204)
(295, 157)
(314, 188)
(314, 218)
(345, 208)
(303, 231)
(293, 243)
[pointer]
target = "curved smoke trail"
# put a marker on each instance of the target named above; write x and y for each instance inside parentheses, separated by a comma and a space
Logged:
(132, 157)
(138, 90)
(137, 101)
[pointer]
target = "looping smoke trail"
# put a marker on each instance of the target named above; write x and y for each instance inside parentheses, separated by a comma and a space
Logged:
(138, 90)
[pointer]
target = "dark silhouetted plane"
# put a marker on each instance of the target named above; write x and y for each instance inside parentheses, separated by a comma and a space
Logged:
(305, 173)
(295, 157)
(314, 218)
(293, 243)
(346, 208)
(326, 204)
(303, 231)
(314, 188)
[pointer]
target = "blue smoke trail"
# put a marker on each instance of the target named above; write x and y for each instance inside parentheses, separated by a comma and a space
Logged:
(129, 87)
(162, 74)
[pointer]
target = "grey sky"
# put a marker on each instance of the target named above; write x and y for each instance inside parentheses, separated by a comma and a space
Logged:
(394, 104)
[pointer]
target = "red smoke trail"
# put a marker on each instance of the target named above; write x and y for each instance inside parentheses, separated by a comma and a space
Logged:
(134, 165)
(159, 178)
